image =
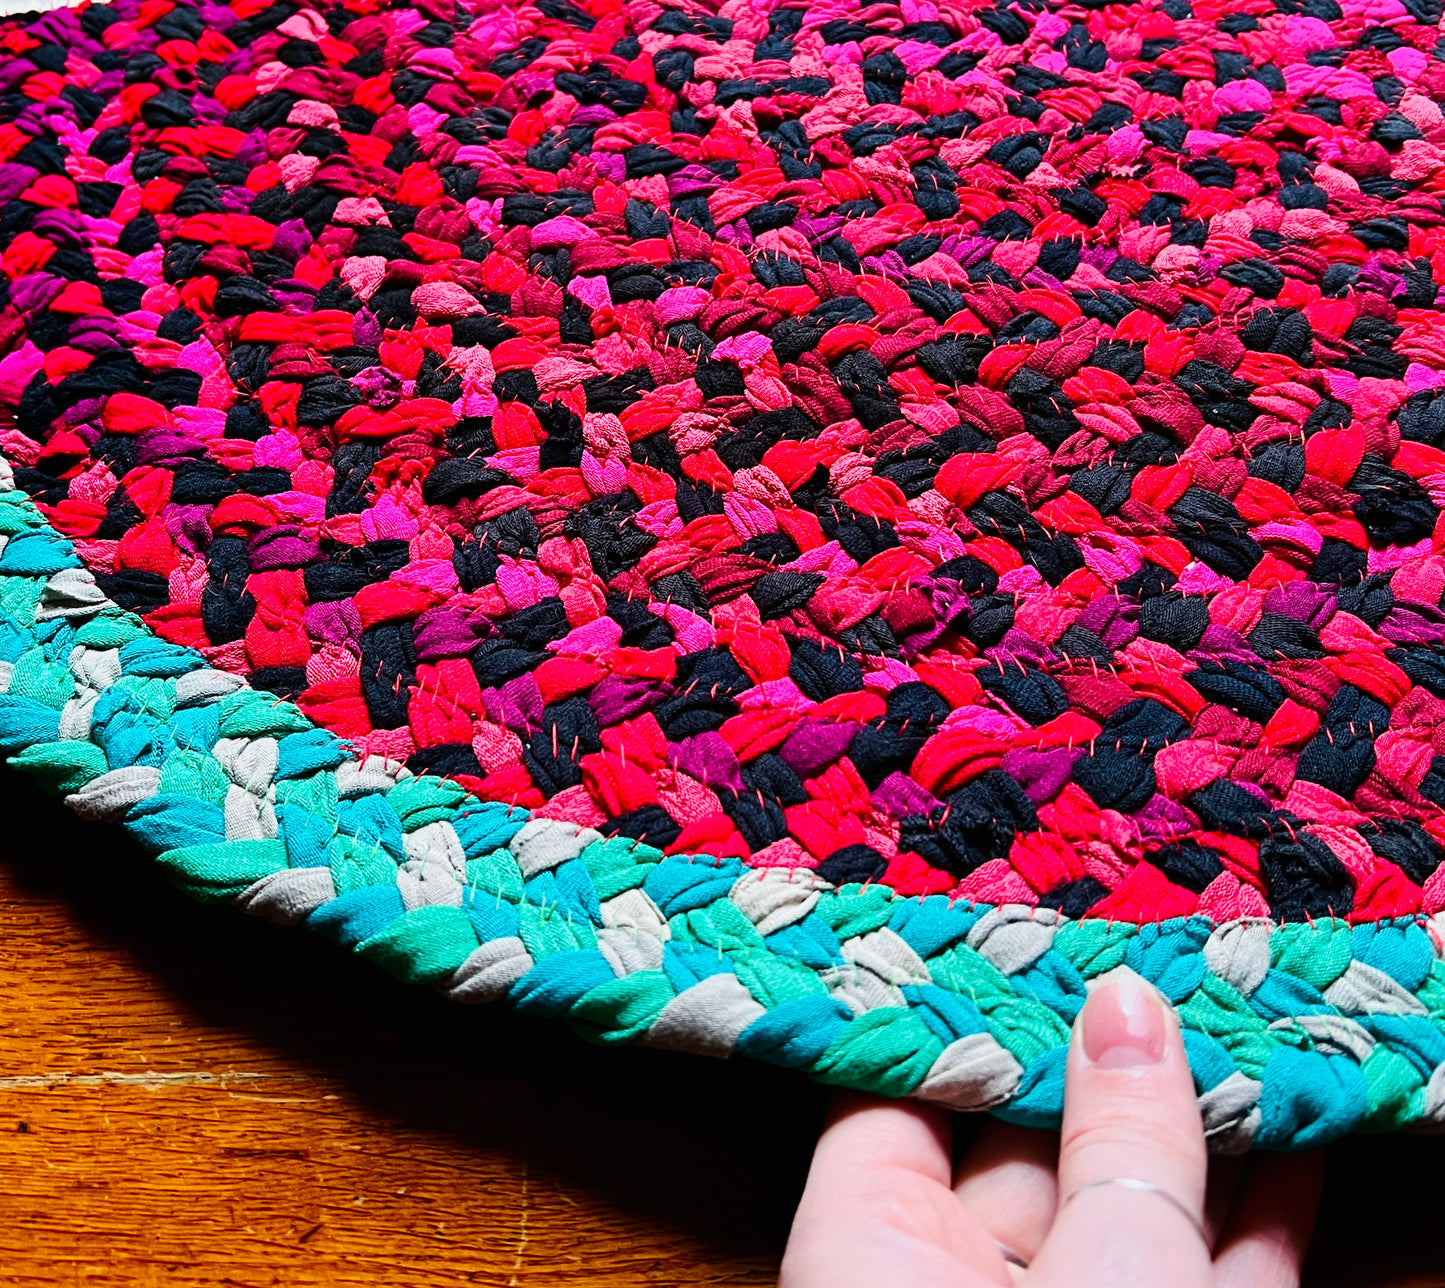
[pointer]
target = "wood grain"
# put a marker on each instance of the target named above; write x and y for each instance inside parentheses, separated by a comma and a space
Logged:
(189, 1097)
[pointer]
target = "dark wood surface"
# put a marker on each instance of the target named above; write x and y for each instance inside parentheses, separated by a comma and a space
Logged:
(191, 1097)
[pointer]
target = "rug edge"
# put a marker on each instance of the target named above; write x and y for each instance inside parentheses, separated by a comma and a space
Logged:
(1294, 1035)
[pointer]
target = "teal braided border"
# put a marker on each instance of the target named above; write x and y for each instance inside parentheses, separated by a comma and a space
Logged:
(1297, 1033)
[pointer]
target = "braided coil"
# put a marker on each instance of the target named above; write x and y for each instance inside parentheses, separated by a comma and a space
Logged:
(1297, 1033)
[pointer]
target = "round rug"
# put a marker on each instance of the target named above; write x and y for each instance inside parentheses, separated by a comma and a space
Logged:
(807, 532)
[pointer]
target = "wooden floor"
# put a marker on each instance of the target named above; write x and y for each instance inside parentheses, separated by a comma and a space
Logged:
(190, 1097)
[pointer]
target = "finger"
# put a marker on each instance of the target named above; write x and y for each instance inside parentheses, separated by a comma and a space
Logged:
(1264, 1243)
(1225, 1174)
(1009, 1181)
(1129, 1112)
(868, 1132)
(877, 1207)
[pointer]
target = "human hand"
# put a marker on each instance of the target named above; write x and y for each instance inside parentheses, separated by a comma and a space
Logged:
(885, 1204)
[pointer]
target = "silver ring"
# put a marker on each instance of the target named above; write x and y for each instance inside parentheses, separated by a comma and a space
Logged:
(1138, 1186)
(1010, 1256)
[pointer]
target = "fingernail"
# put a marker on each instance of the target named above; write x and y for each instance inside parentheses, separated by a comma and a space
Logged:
(1124, 1024)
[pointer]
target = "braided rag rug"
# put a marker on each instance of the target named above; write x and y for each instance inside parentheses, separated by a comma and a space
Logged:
(806, 531)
